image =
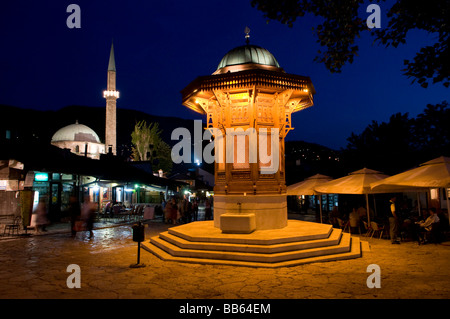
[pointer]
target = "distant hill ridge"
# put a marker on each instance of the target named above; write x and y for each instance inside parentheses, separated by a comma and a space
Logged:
(43, 124)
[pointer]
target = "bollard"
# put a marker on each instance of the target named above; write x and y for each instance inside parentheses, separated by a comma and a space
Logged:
(138, 236)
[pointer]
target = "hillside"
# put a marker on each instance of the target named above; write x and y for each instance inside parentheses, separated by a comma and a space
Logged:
(28, 123)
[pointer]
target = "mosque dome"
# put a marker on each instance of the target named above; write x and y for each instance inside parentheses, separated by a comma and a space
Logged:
(246, 57)
(77, 133)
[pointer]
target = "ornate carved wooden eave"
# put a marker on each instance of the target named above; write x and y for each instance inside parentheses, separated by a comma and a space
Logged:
(250, 78)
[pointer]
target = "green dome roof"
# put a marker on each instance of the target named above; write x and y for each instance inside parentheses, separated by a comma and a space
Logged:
(76, 132)
(248, 54)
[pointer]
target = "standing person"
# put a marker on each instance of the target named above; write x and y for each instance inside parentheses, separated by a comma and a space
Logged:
(195, 209)
(174, 212)
(41, 216)
(354, 221)
(167, 211)
(182, 210)
(334, 215)
(74, 212)
(189, 211)
(208, 213)
(393, 221)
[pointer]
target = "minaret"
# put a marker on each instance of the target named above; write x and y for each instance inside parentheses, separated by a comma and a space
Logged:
(111, 95)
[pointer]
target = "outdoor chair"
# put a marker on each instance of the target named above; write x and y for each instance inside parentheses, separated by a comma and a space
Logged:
(344, 225)
(369, 229)
(435, 234)
(376, 228)
(14, 227)
(132, 212)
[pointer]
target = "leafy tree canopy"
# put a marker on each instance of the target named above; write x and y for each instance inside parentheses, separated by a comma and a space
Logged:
(401, 143)
(147, 145)
(342, 25)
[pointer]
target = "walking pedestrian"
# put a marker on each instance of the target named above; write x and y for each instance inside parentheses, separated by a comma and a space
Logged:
(74, 213)
(41, 216)
(88, 215)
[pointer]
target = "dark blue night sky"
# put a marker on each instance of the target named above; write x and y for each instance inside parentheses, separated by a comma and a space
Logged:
(160, 47)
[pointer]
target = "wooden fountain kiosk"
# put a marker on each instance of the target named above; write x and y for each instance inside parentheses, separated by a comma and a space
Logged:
(250, 95)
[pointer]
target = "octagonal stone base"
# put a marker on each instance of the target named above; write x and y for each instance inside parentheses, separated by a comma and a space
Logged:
(298, 243)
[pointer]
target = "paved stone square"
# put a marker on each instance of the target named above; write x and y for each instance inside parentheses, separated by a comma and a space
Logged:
(35, 267)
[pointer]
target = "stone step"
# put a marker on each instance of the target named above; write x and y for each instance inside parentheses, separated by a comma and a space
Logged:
(353, 252)
(343, 246)
(333, 239)
(295, 231)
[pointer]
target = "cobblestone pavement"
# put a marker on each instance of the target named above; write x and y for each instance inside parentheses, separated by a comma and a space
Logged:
(36, 267)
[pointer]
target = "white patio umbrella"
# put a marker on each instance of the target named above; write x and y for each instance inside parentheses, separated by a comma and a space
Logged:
(306, 187)
(357, 182)
(431, 174)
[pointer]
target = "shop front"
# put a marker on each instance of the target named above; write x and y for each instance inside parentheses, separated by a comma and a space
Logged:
(55, 190)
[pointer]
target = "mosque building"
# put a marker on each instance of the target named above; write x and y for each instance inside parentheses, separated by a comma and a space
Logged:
(81, 139)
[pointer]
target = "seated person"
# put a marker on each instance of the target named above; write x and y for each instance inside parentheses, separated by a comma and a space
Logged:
(426, 225)
(108, 208)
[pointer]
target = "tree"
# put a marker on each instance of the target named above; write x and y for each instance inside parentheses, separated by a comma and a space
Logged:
(342, 25)
(401, 143)
(387, 147)
(432, 130)
(147, 145)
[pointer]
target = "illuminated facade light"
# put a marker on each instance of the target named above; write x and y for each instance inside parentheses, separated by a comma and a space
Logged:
(41, 177)
(108, 93)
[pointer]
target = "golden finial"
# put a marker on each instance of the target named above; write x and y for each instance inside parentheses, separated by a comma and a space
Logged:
(247, 36)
